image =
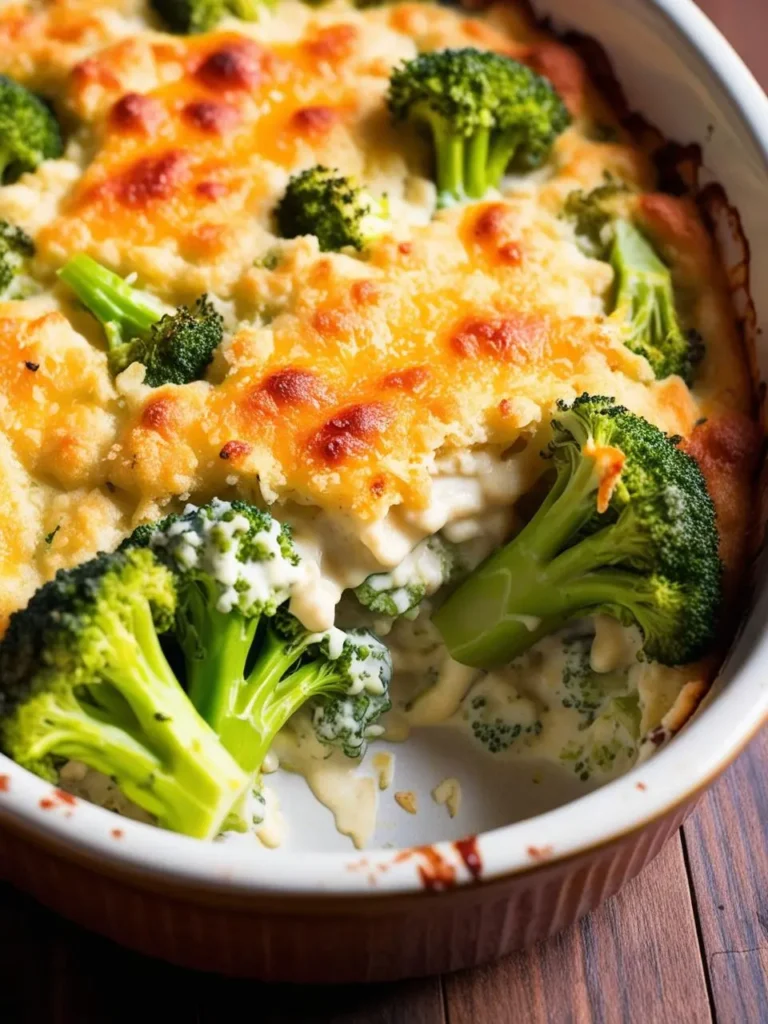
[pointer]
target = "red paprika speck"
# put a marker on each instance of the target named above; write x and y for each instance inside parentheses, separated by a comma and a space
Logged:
(5, 783)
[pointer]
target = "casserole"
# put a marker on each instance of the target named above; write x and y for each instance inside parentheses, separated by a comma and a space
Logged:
(504, 901)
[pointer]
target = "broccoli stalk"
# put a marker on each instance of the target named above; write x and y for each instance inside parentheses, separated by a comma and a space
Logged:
(628, 529)
(84, 677)
(485, 113)
(335, 209)
(645, 297)
(16, 248)
(293, 668)
(29, 132)
(175, 349)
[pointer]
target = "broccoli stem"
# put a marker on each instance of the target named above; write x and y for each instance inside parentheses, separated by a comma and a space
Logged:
(190, 802)
(184, 776)
(500, 156)
(249, 734)
(215, 654)
(477, 148)
(449, 151)
(266, 700)
(121, 309)
(527, 590)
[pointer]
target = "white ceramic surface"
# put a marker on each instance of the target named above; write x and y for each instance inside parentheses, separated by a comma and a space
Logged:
(679, 72)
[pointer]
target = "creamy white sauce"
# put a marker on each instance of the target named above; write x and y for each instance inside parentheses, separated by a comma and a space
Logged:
(351, 797)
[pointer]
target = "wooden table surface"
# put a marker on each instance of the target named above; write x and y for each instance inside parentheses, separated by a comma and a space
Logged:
(687, 941)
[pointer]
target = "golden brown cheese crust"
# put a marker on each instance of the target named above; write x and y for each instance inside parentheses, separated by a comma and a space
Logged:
(347, 376)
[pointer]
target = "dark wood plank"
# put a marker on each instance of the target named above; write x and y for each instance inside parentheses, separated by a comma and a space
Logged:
(726, 841)
(52, 972)
(636, 959)
(726, 845)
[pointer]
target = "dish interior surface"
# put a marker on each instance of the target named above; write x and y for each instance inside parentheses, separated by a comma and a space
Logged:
(420, 805)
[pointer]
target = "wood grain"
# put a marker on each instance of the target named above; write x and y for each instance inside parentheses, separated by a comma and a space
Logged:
(726, 846)
(636, 959)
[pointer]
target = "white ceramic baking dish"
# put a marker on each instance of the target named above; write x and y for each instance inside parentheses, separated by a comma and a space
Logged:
(431, 900)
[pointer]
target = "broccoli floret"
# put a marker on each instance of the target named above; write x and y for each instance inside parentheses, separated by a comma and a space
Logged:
(349, 719)
(593, 215)
(250, 664)
(29, 132)
(235, 564)
(627, 529)
(339, 212)
(16, 248)
(187, 17)
(645, 297)
(432, 563)
(174, 349)
(83, 677)
(486, 113)
(643, 292)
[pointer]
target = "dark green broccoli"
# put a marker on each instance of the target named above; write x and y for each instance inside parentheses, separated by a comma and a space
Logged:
(187, 17)
(29, 132)
(485, 112)
(235, 566)
(340, 213)
(644, 294)
(431, 564)
(83, 677)
(174, 349)
(16, 249)
(627, 529)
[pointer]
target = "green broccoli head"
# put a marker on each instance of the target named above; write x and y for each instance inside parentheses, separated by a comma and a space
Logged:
(593, 215)
(16, 249)
(627, 529)
(485, 112)
(346, 713)
(430, 565)
(234, 563)
(83, 676)
(29, 132)
(645, 296)
(174, 348)
(179, 348)
(339, 212)
(188, 17)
